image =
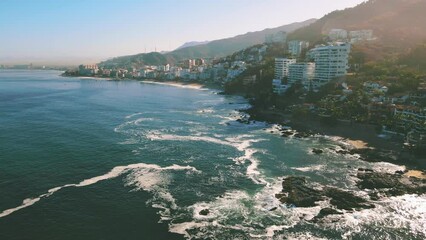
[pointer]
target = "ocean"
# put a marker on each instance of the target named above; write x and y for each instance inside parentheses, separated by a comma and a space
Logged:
(98, 159)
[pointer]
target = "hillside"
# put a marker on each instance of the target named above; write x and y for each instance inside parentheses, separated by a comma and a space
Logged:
(398, 25)
(137, 60)
(192, 44)
(416, 58)
(217, 48)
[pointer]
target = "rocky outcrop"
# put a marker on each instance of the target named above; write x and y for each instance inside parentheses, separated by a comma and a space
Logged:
(346, 200)
(204, 212)
(296, 192)
(390, 184)
(317, 151)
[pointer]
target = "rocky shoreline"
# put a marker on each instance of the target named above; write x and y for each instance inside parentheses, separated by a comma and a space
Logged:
(296, 192)
(358, 138)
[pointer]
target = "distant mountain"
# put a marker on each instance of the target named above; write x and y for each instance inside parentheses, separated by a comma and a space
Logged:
(224, 47)
(398, 25)
(192, 44)
(217, 48)
(153, 58)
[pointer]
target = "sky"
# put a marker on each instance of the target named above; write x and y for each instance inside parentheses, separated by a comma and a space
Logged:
(87, 31)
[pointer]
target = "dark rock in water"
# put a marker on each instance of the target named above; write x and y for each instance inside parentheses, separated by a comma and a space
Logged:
(365, 170)
(317, 151)
(340, 151)
(301, 135)
(374, 196)
(372, 180)
(375, 155)
(204, 212)
(327, 211)
(286, 133)
(346, 200)
(296, 192)
(391, 184)
(273, 209)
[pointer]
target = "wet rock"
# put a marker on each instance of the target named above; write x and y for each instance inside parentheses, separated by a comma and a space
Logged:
(374, 196)
(287, 133)
(327, 211)
(346, 200)
(317, 151)
(204, 212)
(375, 155)
(365, 170)
(273, 209)
(390, 184)
(296, 192)
(373, 180)
(343, 152)
(302, 135)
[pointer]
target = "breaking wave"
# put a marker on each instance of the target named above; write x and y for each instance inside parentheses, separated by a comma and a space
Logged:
(139, 169)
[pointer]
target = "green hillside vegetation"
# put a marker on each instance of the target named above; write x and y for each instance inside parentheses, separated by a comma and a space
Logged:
(415, 59)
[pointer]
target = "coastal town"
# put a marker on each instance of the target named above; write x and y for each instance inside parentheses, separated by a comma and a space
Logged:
(328, 81)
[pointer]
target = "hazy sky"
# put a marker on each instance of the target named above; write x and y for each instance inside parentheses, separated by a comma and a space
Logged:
(92, 30)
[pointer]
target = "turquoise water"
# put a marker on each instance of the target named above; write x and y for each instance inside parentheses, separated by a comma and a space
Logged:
(96, 159)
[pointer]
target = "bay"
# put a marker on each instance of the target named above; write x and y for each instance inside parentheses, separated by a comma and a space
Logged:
(98, 159)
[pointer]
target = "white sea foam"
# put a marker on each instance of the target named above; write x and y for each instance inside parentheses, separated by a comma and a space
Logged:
(206, 110)
(140, 120)
(115, 172)
(386, 167)
(241, 143)
(134, 114)
(238, 210)
(312, 168)
(402, 212)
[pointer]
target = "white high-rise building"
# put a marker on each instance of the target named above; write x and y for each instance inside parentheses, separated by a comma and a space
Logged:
(338, 34)
(361, 35)
(281, 67)
(295, 47)
(330, 61)
(301, 72)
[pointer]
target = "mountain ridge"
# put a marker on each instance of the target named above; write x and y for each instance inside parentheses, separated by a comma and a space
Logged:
(397, 24)
(192, 44)
(213, 49)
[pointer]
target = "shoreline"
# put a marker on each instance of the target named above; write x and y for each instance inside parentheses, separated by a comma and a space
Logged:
(195, 86)
(361, 137)
(174, 83)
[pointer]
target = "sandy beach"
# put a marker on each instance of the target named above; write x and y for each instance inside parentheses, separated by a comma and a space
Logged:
(177, 84)
(416, 174)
